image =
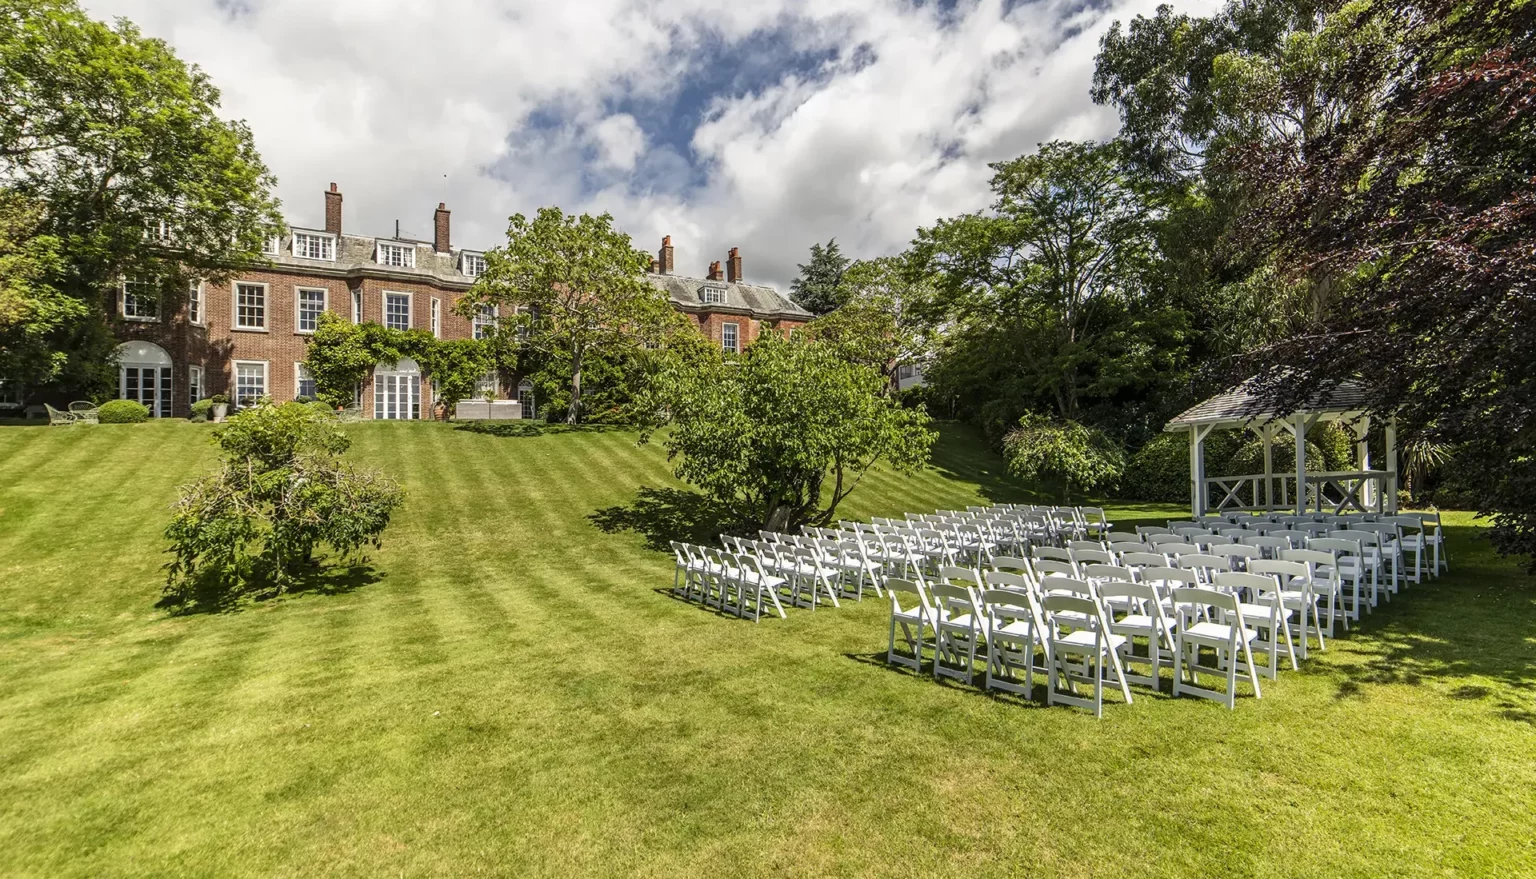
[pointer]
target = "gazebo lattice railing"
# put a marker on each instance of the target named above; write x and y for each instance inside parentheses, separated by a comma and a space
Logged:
(1361, 490)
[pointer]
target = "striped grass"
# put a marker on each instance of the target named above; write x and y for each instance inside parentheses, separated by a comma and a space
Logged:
(510, 691)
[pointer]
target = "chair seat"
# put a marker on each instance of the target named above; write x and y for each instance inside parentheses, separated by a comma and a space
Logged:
(1259, 613)
(1141, 624)
(1216, 634)
(1085, 641)
(1016, 629)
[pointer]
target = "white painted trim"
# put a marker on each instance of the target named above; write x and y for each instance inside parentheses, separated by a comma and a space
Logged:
(408, 247)
(234, 306)
(736, 325)
(410, 307)
(293, 245)
(234, 376)
(325, 305)
(436, 317)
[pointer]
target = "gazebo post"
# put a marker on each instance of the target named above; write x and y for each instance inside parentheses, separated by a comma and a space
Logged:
(1197, 467)
(1267, 436)
(1301, 463)
(1390, 504)
(1363, 454)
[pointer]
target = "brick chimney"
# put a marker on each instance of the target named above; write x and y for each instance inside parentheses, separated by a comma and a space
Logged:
(655, 266)
(733, 265)
(664, 256)
(714, 271)
(440, 228)
(333, 211)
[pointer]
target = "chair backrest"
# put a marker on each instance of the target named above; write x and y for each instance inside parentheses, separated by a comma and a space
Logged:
(1213, 539)
(950, 600)
(1199, 561)
(1103, 573)
(1073, 612)
(1012, 564)
(1055, 553)
(897, 587)
(1366, 538)
(1147, 530)
(1236, 534)
(1006, 580)
(965, 577)
(1280, 568)
(1273, 544)
(1093, 556)
(1186, 599)
(1312, 558)
(1084, 544)
(1069, 584)
(1180, 549)
(1313, 529)
(1236, 550)
(1122, 537)
(1143, 560)
(1169, 578)
(1411, 524)
(1337, 545)
(1143, 594)
(1160, 539)
(82, 406)
(1005, 606)
(1119, 547)
(1053, 568)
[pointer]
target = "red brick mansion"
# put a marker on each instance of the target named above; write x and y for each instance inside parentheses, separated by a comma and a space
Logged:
(246, 338)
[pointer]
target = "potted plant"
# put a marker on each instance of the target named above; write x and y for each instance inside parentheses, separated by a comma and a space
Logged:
(220, 407)
(440, 411)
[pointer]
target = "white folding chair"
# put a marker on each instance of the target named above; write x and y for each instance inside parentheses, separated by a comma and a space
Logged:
(1211, 619)
(755, 585)
(1298, 594)
(1434, 536)
(1015, 634)
(1264, 611)
(911, 613)
(1082, 650)
(1135, 610)
(960, 632)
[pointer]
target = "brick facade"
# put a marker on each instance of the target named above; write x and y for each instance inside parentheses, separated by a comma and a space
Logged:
(216, 344)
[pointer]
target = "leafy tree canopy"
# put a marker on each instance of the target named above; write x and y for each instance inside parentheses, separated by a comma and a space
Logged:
(888, 317)
(573, 285)
(784, 432)
(1052, 450)
(818, 289)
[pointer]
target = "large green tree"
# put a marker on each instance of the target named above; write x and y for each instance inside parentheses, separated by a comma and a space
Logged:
(818, 288)
(32, 310)
(888, 317)
(1045, 292)
(122, 146)
(784, 433)
(569, 286)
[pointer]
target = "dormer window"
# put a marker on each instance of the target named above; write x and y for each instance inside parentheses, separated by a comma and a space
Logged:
(398, 255)
(472, 265)
(712, 295)
(314, 245)
(271, 245)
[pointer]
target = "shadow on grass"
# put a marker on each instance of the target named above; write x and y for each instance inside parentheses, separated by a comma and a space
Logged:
(961, 453)
(662, 515)
(210, 596)
(534, 428)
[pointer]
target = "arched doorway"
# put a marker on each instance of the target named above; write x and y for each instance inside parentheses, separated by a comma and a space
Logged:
(144, 375)
(397, 390)
(525, 399)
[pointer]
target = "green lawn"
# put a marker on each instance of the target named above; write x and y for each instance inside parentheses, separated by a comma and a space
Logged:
(510, 691)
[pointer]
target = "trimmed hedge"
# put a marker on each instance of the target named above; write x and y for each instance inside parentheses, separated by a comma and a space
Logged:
(202, 410)
(122, 412)
(319, 407)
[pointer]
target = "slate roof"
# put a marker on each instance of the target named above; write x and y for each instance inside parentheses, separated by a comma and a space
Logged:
(354, 255)
(1241, 404)
(751, 299)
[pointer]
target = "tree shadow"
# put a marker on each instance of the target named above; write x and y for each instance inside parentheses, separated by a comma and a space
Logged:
(213, 596)
(662, 515)
(962, 454)
(534, 428)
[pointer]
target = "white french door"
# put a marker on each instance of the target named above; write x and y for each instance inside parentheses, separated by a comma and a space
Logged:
(396, 397)
(149, 385)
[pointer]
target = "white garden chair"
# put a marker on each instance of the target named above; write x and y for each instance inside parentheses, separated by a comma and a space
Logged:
(756, 585)
(1135, 610)
(1015, 631)
(1212, 620)
(1297, 594)
(1081, 650)
(911, 614)
(1434, 536)
(1261, 605)
(960, 632)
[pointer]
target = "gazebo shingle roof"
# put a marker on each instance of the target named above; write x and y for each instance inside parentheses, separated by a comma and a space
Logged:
(1241, 404)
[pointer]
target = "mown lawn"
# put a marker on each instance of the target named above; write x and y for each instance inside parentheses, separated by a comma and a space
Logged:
(510, 691)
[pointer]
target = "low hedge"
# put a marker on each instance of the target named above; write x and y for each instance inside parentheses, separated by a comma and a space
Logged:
(122, 412)
(202, 410)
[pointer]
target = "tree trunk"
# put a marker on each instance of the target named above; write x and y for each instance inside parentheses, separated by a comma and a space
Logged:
(573, 414)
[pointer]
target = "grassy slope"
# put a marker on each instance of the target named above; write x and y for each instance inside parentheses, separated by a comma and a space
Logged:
(512, 695)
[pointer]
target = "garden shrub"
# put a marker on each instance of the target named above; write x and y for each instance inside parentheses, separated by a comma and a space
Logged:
(319, 407)
(122, 412)
(1058, 450)
(202, 410)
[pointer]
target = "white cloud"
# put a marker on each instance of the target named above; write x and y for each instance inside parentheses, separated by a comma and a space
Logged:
(406, 104)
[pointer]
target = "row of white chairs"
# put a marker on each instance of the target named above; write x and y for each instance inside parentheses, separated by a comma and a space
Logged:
(1079, 616)
(1421, 533)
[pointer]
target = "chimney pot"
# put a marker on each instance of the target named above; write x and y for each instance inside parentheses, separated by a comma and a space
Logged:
(733, 265)
(333, 211)
(714, 271)
(440, 228)
(664, 256)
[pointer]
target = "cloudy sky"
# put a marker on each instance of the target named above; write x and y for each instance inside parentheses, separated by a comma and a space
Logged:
(766, 124)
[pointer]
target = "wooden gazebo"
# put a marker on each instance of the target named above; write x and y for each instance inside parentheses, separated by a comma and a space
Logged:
(1239, 408)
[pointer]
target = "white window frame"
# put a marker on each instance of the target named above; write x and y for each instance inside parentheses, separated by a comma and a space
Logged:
(464, 259)
(479, 320)
(298, 380)
(272, 245)
(298, 311)
(194, 383)
(410, 306)
(122, 307)
(266, 379)
(329, 246)
(357, 306)
(437, 318)
(491, 381)
(712, 295)
(161, 231)
(234, 303)
(196, 313)
(531, 409)
(407, 254)
(735, 328)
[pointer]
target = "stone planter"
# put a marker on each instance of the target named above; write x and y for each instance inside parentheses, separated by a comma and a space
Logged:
(492, 410)
(219, 411)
